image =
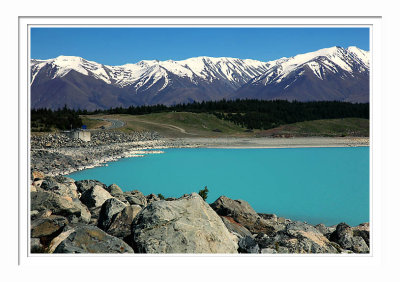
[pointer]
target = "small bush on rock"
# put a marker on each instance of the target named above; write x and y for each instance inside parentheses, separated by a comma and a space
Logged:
(204, 193)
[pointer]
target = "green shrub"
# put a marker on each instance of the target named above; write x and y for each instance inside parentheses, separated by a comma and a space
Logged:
(161, 196)
(204, 193)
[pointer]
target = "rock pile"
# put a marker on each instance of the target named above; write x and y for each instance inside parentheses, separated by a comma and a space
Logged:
(57, 154)
(59, 140)
(87, 216)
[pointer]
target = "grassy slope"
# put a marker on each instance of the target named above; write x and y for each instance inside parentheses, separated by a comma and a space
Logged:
(182, 124)
(202, 125)
(328, 127)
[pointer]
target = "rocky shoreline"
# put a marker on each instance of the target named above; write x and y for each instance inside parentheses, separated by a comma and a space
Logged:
(57, 154)
(87, 216)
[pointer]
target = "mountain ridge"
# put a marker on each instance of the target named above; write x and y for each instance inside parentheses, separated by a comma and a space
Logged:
(69, 78)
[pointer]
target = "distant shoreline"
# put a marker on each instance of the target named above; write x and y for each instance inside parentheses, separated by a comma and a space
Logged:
(272, 143)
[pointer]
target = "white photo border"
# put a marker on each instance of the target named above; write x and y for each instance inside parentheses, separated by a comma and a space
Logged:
(274, 261)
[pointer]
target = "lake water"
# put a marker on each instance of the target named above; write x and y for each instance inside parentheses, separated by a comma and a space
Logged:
(316, 185)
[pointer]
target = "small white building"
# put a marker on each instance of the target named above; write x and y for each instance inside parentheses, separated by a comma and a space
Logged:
(79, 134)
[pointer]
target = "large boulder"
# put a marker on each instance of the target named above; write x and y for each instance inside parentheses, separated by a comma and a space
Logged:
(95, 197)
(344, 236)
(297, 237)
(47, 226)
(110, 207)
(136, 197)
(242, 213)
(117, 192)
(84, 185)
(362, 231)
(87, 239)
(186, 225)
(45, 229)
(65, 206)
(121, 223)
(114, 190)
(60, 185)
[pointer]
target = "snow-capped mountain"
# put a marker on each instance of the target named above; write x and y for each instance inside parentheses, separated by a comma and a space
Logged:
(327, 74)
(84, 84)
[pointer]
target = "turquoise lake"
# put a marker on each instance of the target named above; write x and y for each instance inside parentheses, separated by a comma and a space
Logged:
(316, 185)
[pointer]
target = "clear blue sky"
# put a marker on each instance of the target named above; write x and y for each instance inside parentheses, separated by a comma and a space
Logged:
(117, 46)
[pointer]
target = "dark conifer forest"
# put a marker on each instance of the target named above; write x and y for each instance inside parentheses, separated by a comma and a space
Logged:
(46, 119)
(248, 113)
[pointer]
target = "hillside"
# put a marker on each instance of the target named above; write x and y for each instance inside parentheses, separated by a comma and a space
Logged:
(184, 124)
(174, 124)
(328, 127)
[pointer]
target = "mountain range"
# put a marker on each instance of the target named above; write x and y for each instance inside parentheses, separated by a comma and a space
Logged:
(334, 73)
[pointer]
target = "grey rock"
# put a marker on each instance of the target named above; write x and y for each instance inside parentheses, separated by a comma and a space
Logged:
(95, 197)
(265, 241)
(305, 238)
(269, 216)
(121, 224)
(95, 213)
(248, 245)
(344, 236)
(84, 185)
(38, 214)
(110, 207)
(282, 250)
(114, 190)
(187, 225)
(242, 213)
(359, 245)
(136, 198)
(325, 230)
(297, 226)
(152, 198)
(65, 206)
(282, 220)
(61, 185)
(362, 230)
(297, 237)
(88, 239)
(235, 227)
(47, 226)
